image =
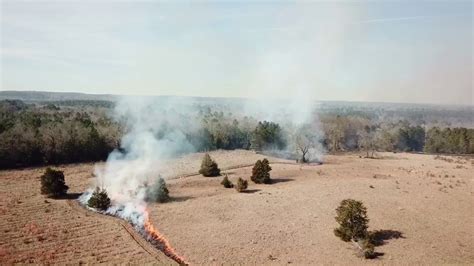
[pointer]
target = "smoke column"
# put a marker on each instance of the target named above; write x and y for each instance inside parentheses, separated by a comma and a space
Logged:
(156, 131)
(153, 135)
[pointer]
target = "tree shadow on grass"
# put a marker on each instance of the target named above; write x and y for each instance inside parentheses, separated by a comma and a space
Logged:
(69, 196)
(281, 180)
(250, 191)
(377, 238)
(180, 198)
(380, 237)
(377, 255)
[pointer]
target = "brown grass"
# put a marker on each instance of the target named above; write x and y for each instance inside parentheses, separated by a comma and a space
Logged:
(42, 231)
(291, 221)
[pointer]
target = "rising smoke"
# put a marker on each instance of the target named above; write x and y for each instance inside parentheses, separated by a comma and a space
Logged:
(157, 128)
(154, 132)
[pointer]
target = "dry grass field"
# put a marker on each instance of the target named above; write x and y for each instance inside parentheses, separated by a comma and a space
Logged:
(34, 229)
(427, 201)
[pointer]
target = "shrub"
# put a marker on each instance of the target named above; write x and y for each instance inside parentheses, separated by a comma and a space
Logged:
(352, 219)
(99, 199)
(158, 192)
(241, 185)
(226, 182)
(261, 172)
(367, 248)
(209, 167)
(52, 183)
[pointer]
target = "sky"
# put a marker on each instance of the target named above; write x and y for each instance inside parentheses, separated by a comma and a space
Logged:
(383, 51)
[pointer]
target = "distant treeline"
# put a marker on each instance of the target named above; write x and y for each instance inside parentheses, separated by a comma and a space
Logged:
(51, 134)
(69, 132)
(449, 140)
(32, 135)
(351, 133)
(79, 103)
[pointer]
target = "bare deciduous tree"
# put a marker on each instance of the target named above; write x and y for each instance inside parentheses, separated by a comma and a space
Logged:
(368, 140)
(306, 139)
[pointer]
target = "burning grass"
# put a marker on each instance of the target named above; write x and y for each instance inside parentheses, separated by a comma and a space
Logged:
(158, 240)
(138, 216)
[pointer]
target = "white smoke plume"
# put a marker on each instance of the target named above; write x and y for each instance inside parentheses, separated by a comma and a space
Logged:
(285, 77)
(156, 127)
(154, 132)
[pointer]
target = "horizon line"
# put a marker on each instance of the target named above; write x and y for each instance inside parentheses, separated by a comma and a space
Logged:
(234, 97)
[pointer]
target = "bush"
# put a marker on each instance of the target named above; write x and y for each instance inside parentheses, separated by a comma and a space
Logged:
(226, 182)
(241, 185)
(52, 183)
(353, 224)
(158, 192)
(99, 200)
(209, 167)
(261, 172)
(352, 219)
(367, 248)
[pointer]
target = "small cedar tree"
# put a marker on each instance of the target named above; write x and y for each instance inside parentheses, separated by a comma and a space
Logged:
(226, 182)
(241, 185)
(352, 220)
(209, 167)
(99, 199)
(53, 184)
(158, 192)
(261, 172)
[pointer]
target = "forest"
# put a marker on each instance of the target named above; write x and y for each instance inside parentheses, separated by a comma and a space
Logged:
(70, 131)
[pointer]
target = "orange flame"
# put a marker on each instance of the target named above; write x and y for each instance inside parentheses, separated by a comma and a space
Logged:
(159, 240)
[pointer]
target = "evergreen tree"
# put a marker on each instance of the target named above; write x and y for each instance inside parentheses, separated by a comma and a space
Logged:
(267, 135)
(52, 183)
(352, 219)
(209, 167)
(158, 192)
(99, 199)
(261, 172)
(353, 225)
(226, 182)
(241, 185)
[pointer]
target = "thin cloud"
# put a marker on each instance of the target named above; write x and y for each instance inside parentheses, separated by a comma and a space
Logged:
(273, 29)
(381, 20)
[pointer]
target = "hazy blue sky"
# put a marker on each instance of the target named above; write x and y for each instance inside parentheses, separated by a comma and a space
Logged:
(398, 51)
